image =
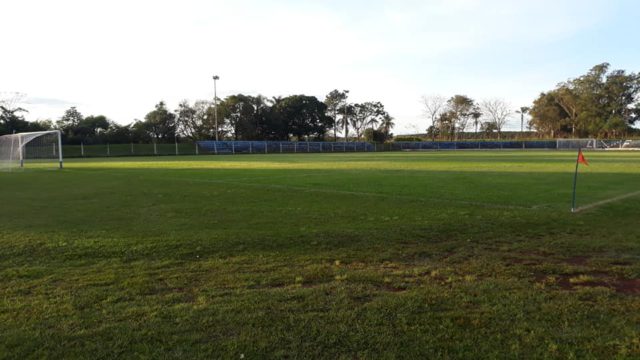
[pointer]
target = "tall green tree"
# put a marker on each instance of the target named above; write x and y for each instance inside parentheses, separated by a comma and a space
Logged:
(548, 118)
(524, 110)
(69, 122)
(160, 123)
(386, 125)
(601, 103)
(12, 120)
(196, 121)
(460, 109)
(305, 116)
(346, 112)
(335, 100)
(239, 113)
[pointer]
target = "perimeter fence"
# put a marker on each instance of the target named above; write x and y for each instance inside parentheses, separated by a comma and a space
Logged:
(277, 147)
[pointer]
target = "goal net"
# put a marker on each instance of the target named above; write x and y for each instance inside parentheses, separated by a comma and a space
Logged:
(630, 145)
(43, 148)
(568, 144)
(571, 144)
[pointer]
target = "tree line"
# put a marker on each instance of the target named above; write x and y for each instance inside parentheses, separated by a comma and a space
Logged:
(601, 103)
(236, 117)
(451, 118)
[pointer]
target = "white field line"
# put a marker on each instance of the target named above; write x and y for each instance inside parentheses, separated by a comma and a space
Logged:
(607, 201)
(359, 193)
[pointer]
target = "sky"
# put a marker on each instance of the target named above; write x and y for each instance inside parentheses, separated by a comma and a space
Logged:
(120, 58)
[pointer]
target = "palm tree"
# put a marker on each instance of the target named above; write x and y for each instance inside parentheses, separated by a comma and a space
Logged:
(387, 124)
(373, 121)
(260, 106)
(476, 115)
(523, 110)
(346, 110)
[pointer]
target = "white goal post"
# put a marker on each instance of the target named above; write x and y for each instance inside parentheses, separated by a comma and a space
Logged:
(571, 144)
(594, 144)
(40, 147)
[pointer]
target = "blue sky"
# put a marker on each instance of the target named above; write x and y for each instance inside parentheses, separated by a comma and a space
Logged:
(119, 58)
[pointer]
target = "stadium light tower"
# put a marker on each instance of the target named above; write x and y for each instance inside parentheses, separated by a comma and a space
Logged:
(215, 102)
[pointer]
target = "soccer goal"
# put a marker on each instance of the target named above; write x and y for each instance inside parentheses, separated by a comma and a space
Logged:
(574, 144)
(43, 148)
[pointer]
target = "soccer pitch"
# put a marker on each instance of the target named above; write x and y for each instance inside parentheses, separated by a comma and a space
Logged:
(363, 255)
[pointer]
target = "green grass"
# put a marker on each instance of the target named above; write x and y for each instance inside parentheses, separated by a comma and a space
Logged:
(410, 255)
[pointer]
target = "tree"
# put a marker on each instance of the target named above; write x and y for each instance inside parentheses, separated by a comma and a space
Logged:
(261, 114)
(79, 129)
(372, 135)
(498, 112)
(69, 121)
(523, 111)
(11, 120)
(374, 113)
(196, 121)
(118, 134)
(568, 99)
(357, 120)
(91, 128)
(433, 132)
(160, 123)
(305, 116)
(548, 118)
(601, 103)
(238, 114)
(434, 105)
(367, 114)
(446, 124)
(347, 111)
(460, 108)
(476, 115)
(488, 127)
(334, 101)
(386, 125)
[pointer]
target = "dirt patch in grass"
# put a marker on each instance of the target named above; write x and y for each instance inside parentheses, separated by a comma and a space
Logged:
(577, 260)
(570, 282)
(522, 261)
(393, 289)
(538, 258)
(621, 263)
(628, 286)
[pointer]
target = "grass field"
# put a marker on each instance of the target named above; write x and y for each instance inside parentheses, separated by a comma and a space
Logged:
(410, 255)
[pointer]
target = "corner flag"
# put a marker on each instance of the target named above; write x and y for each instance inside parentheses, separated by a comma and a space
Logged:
(581, 160)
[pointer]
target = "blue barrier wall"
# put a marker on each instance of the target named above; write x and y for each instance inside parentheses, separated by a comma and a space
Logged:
(270, 147)
(474, 145)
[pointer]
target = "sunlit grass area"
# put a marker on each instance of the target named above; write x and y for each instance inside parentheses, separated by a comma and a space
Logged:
(414, 255)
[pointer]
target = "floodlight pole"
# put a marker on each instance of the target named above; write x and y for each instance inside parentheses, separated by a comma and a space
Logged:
(215, 102)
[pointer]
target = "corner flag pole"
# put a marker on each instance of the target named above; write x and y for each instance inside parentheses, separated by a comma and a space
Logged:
(579, 160)
(575, 183)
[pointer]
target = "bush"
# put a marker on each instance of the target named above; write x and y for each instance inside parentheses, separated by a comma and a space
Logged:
(371, 135)
(408, 139)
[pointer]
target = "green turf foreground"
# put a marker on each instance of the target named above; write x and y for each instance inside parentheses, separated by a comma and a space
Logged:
(390, 255)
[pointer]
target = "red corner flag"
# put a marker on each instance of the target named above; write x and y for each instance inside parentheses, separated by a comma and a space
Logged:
(581, 159)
